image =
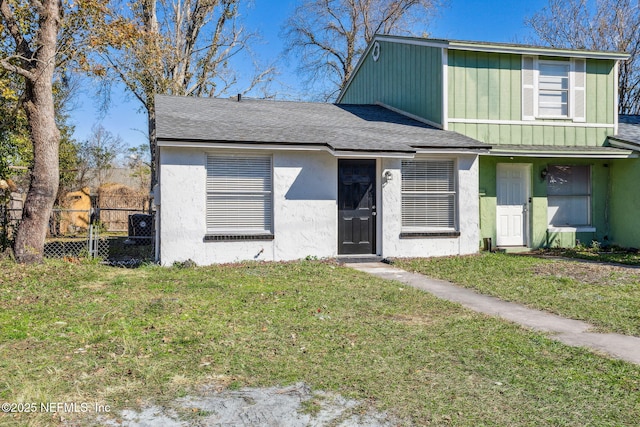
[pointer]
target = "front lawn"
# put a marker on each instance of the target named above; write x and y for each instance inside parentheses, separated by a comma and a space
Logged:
(607, 296)
(124, 338)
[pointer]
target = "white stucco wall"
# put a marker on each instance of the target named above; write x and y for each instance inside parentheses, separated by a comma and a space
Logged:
(305, 212)
(468, 208)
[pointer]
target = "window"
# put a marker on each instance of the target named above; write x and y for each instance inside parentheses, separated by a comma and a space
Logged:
(239, 195)
(428, 195)
(553, 89)
(569, 196)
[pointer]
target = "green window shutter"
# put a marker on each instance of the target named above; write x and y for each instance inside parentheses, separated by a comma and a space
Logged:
(579, 90)
(528, 88)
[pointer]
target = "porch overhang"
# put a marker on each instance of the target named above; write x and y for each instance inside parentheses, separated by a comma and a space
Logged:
(561, 151)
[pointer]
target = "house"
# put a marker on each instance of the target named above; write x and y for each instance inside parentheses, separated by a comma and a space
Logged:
(562, 166)
(274, 180)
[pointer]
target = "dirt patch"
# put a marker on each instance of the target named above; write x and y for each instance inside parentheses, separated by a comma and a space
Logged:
(413, 320)
(293, 406)
(588, 272)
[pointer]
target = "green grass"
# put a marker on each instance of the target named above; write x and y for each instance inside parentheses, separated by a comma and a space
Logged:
(89, 333)
(605, 296)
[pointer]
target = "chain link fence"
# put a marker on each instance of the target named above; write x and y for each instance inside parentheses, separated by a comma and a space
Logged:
(118, 235)
(83, 234)
(10, 214)
(89, 246)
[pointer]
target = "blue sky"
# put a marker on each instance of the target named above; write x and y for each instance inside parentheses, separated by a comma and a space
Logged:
(491, 20)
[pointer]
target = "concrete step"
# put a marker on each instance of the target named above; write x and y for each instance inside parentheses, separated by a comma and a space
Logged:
(358, 259)
(513, 249)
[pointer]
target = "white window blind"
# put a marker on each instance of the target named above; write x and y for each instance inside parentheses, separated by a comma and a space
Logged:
(428, 195)
(553, 90)
(569, 195)
(239, 194)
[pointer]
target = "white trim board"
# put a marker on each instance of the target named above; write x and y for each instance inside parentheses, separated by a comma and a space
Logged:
(564, 154)
(276, 147)
(502, 48)
(531, 123)
(616, 96)
(445, 89)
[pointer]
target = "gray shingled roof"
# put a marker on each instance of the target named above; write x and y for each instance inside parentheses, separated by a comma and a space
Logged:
(368, 128)
(628, 131)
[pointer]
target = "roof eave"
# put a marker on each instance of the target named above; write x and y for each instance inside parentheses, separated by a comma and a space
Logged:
(283, 146)
(504, 48)
(534, 50)
(441, 149)
(624, 144)
(595, 154)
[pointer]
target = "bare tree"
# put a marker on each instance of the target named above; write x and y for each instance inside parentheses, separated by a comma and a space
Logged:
(176, 47)
(329, 36)
(98, 155)
(597, 25)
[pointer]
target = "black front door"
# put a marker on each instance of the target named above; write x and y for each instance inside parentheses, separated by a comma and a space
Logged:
(356, 206)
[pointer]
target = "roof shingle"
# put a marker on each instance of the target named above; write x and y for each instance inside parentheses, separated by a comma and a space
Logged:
(369, 128)
(628, 130)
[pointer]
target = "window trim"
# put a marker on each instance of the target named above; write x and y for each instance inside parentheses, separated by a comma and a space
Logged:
(530, 89)
(421, 232)
(235, 234)
(573, 227)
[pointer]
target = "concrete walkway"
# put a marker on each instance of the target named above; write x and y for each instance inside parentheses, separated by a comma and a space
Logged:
(571, 332)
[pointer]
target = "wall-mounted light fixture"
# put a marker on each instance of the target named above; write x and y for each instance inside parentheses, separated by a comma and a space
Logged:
(543, 173)
(388, 176)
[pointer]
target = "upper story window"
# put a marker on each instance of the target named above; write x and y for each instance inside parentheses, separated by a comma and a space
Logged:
(553, 89)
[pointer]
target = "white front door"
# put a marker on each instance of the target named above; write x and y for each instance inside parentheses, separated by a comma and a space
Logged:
(513, 203)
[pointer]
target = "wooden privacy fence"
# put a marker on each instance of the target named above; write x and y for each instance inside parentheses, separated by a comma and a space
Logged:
(112, 207)
(115, 203)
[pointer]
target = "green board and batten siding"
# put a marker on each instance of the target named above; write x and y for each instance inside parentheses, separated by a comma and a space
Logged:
(406, 76)
(487, 86)
(484, 85)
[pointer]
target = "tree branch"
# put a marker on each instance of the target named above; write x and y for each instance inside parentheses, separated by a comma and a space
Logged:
(18, 70)
(22, 47)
